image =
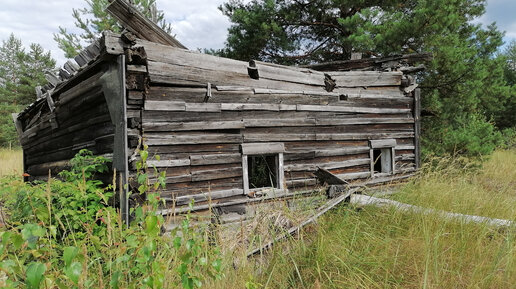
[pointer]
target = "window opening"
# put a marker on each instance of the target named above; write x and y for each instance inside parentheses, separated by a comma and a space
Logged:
(382, 160)
(263, 171)
(382, 156)
(262, 168)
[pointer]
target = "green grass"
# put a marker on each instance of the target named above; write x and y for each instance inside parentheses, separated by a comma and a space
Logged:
(384, 248)
(11, 162)
(368, 247)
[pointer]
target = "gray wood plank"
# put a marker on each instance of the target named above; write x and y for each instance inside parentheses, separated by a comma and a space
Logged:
(194, 125)
(168, 163)
(137, 23)
(262, 148)
(384, 143)
(212, 159)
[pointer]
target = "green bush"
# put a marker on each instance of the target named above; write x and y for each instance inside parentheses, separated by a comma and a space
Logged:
(471, 136)
(8, 134)
(62, 234)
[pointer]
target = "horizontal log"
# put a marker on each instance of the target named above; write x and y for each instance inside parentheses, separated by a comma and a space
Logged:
(165, 105)
(174, 179)
(262, 148)
(384, 143)
(177, 139)
(302, 107)
(196, 125)
(301, 183)
(361, 136)
(89, 84)
(216, 174)
(349, 121)
(202, 197)
(354, 176)
(327, 165)
(203, 107)
(405, 147)
(366, 78)
(234, 88)
(199, 148)
(279, 122)
(227, 72)
(199, 160)
(257, 106)
(267, 137)
(168, 163)
(340, 151)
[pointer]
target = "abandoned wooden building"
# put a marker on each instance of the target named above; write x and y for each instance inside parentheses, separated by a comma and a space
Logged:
(230, 131)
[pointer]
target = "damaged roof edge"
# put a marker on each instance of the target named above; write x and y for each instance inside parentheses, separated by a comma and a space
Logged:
(134, 21)
(79, 66)
(372, 63)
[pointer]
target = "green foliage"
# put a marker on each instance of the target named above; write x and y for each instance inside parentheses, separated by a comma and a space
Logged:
(20, 72)
(8, 134)
(507, 118)
(64, 235)
(464, 81)
(94, 19)
(71, 207)
(471, 136)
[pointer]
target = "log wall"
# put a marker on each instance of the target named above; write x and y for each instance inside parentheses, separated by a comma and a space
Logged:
(78, 118)
(198, 109)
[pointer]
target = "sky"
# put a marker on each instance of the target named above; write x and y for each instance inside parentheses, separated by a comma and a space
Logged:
(196, 23)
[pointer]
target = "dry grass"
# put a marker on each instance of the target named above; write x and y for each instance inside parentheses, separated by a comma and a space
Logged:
(11, 162)
(383, 248)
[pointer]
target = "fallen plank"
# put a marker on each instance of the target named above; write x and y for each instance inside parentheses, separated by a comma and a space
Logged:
(326, 177)
(294, 230)
(363, 200)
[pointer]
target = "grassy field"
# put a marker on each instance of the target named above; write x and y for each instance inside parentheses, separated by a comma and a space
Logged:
(380, 248)
(11, 162)
(383, 248)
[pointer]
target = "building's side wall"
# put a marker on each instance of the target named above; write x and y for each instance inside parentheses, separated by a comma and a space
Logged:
(199, 109)
(80, 120)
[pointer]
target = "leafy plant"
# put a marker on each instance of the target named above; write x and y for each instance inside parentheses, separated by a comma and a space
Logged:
(64, 234)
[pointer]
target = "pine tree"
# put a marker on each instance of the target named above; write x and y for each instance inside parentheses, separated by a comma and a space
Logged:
(463, 89)
(94, 19)
(20, 73)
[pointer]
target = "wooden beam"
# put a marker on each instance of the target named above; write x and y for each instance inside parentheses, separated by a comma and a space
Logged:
(262, 148)
(383, 143)
(370, 63)
(18, 125)
(113, 85)
(137, 23)
(294, 230)
(363, 200)
(324, 176)
(417, 126)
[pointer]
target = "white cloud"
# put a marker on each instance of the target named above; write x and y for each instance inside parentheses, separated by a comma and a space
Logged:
(502, 12)
(196, 23)
(35, 21)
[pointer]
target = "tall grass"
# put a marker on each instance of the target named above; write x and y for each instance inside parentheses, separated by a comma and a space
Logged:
(348, 248)
(385, 248)
(11, 162)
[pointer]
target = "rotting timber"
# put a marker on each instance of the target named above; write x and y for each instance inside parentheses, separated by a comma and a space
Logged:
(218, 124)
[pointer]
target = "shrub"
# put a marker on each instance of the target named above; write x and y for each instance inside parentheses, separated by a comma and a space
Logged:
(62, 234)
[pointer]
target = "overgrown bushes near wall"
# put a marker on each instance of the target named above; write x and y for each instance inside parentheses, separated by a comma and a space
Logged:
(63, 234)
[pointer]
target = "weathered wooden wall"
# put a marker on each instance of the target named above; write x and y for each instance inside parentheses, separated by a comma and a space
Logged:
(198, 109)
(195, 111)
(80, 119)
